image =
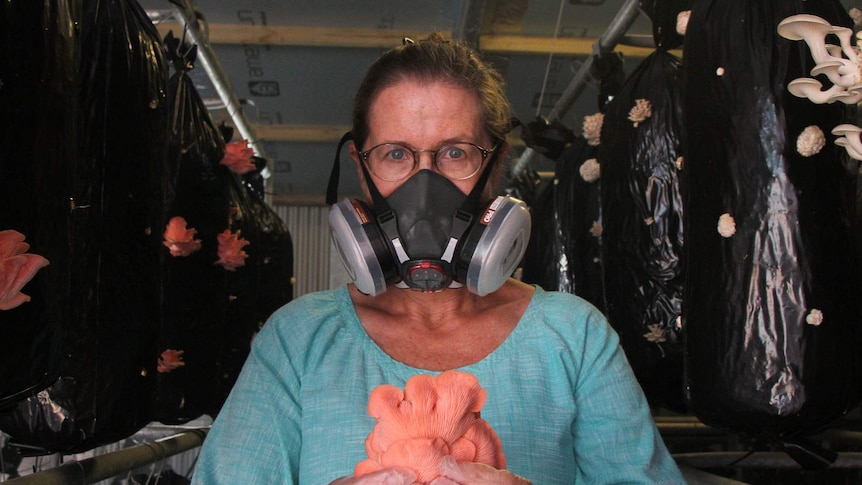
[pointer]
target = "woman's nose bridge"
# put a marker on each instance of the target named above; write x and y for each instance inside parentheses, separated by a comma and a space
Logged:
(428, 160)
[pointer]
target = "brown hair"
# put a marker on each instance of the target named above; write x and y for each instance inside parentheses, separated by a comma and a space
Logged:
(435, 59)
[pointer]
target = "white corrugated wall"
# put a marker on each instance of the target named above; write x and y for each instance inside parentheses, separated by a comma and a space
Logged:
(309, 230)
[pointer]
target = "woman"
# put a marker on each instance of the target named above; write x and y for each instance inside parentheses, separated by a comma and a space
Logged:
(429, 128)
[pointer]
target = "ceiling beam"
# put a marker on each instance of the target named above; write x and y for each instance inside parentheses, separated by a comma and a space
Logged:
(317, 133)
(498, 43)
(527, 44)
(300, 133)
(299, 36)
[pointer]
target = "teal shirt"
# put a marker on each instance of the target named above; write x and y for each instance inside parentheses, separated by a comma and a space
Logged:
(561, 397)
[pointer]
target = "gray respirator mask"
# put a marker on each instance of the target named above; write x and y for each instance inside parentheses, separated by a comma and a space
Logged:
(428, 235)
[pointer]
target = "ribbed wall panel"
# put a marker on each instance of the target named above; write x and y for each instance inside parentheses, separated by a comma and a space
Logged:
(309, 229)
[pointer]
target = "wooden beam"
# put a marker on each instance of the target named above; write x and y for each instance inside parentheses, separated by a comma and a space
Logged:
(387, 38)
(526, 44)
(300, 36)
(320, 134)
(300, 133)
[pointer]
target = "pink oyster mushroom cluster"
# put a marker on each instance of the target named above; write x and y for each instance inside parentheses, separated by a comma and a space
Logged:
(17, 268)
(432, 418)
(169, 360)
(238, 157)
(180, 240)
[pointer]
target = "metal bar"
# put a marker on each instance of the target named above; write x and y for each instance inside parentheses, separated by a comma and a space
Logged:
(764, 459)
(694, 476)
(843, 436)
(606, 43)
(112, 464)
(208, 60)
(470, 22)
(699, 429)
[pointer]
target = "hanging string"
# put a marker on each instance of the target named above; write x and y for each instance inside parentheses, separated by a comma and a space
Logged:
(550, 57)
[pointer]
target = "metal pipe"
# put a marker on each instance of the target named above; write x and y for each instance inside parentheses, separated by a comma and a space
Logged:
(693, 476)
(699, 429)
(604, 44)
(843, 436)
(109, 465)
(208, 60)
(764, 459)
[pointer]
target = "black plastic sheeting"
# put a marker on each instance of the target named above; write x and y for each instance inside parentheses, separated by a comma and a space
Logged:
(564, 252)
(563, 255)
(642, 212)
(38, 70)
(211, 314)
(120, 146)
(255, 291)
(753, 363)
(117, 189)
(194, 301)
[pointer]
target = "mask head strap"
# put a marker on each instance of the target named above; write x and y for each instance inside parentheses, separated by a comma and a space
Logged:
(464, 215)
(335, 175)
(383, 212)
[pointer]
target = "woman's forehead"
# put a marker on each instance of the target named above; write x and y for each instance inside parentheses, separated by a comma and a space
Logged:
(436, 109)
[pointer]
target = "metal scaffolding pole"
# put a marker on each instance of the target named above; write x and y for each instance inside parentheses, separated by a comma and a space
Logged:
(109, 465)
(187, 18)
(605, 43)
(772, 460)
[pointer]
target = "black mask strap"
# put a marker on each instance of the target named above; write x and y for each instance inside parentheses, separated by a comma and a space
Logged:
(464, 215)
(383, 212)
(335, 175)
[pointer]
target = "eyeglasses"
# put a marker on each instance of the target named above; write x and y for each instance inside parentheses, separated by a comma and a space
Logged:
(456, 161)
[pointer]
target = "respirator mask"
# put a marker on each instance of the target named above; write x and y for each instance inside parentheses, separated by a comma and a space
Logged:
(428, 235)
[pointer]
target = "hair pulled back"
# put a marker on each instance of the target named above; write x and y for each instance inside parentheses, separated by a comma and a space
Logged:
(435, 59)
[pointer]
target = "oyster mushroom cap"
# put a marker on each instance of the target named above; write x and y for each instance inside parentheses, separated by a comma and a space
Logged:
(798, 27)
(826, 67)
(812, 89)
(855, 153)
(848, 138)
(845, 35)
(844, 129)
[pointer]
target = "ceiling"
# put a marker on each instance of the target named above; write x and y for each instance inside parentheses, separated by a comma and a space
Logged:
(293, 65)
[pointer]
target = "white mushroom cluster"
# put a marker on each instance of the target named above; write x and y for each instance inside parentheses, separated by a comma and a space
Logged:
(814, 317)
(593, 128)
(810, 141)
(839, 63)
(640, 111)
(590, 170)
(682, 22)
(726, 225)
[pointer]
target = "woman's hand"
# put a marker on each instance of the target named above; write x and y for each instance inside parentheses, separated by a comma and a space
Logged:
(454, 473)
(390, 476)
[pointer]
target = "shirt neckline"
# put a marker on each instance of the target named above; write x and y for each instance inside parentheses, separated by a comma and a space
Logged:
(508, 345)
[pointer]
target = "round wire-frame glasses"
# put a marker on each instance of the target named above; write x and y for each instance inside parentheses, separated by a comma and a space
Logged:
(393, 162)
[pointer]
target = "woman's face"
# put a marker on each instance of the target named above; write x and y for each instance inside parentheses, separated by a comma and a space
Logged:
(424, 116)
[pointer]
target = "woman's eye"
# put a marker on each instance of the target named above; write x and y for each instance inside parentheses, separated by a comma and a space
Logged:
(397, 154)
(452, 153)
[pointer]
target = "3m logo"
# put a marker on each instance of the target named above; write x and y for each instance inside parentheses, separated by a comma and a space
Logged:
(492, 209)
(360, 212)
(263, 88)
(489, 214)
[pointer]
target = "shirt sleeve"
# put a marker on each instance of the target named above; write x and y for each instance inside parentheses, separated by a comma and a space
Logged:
(616, 440)
(256, 438)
